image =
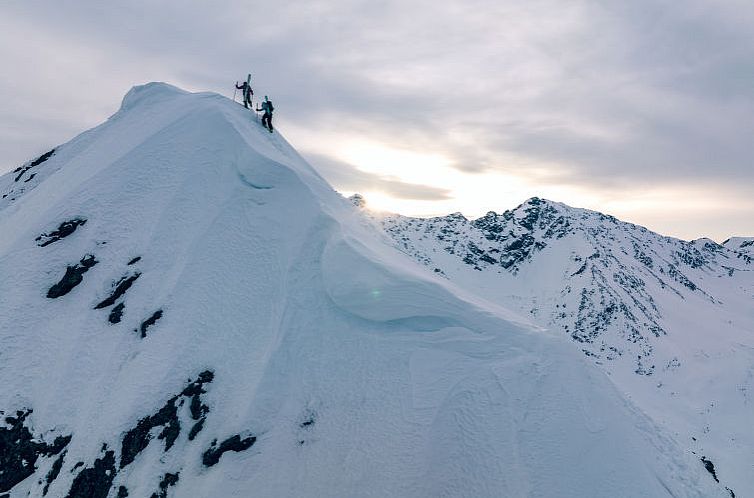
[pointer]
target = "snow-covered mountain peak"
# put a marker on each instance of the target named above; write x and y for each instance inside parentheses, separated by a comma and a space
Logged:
(604, 274)
(149, 94)
(742, 245)
(639, 304)
(189, 309)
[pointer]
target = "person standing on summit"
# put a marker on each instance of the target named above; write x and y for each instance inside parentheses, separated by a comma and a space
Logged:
(267, 116)
(247, 92)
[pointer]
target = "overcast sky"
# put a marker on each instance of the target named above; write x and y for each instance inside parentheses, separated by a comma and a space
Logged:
(643, 109)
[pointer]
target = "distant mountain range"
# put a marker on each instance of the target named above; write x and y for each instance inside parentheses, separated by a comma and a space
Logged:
(671, 321)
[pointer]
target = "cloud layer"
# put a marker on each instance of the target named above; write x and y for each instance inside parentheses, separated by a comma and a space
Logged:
(644, 109)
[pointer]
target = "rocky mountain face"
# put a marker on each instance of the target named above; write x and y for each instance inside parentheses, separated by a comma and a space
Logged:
(638, 304)
(610, 278)
(742, 245)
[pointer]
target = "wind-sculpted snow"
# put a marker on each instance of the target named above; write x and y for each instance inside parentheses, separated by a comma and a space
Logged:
(359, 283)
(634, 302)
(276, 344)
(606, 275)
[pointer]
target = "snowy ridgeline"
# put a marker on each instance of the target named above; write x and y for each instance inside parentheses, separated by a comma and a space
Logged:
(743, 245)
(608, 284)
(189, 310)
(671, 321)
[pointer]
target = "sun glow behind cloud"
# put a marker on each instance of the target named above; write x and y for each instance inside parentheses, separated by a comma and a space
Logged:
(471, 193)
(404, 165)
(505, 185)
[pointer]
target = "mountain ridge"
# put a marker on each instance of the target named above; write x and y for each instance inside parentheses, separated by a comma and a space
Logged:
(636, 303)
(224, 323)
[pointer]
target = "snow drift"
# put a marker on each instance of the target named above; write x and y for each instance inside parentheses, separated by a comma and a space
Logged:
(188, 309)
(670, 321)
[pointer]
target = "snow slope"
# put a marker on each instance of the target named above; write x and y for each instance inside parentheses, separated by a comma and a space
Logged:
(187, 309)
(743, 245)
(671, 322)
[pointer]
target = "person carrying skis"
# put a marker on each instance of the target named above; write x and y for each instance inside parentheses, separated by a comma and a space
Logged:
(248, 93)
(267, 116)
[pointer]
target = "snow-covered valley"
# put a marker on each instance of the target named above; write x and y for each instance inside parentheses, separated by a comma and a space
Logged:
(187, 309)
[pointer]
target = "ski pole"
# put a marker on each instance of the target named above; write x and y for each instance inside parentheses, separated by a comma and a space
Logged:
(235, 89)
